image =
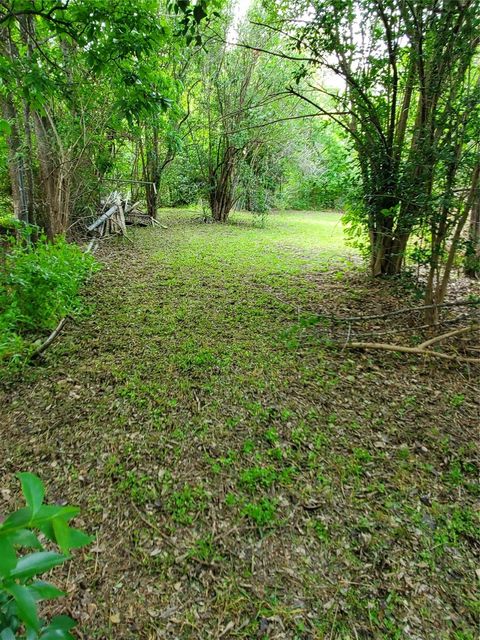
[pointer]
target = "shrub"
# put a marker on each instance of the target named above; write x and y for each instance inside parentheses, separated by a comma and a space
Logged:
(39, 284)
(20, 588)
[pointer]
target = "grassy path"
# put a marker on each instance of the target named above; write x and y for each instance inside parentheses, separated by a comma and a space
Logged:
(244, 479)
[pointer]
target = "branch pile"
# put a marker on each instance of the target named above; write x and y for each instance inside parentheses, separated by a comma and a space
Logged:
(116, 213)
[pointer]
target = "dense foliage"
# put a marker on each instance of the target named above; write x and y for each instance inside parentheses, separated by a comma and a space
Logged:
(39, 284)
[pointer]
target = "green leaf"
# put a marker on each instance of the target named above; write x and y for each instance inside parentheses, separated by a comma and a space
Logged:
(62, 622)
(36, 563)
(62, 535)
(5, 129)
(58, 628)
(199, 13)
(26, 606)
(79, 538)
(22, 518)
(7, 634)
(68, 537)
(25, 538)
(50, 511)
(17, 520)
(56, 634)
(33, 490)
(8, 557)
(45, 591)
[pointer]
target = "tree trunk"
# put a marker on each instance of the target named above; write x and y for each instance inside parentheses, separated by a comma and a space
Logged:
(220, 205)
(436, 294)
(16, 163)
(472, 256)
(388, 253)
(55, 180)
(152, 173)
(222, 186)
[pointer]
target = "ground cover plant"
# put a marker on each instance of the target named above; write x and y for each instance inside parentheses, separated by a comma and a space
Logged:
(258, 480)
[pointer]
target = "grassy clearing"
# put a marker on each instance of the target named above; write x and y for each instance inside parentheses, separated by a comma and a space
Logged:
(247, 479)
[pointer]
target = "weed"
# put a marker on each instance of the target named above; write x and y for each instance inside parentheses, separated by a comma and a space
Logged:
(459, 523)
(139, 486)
(217, 464)
(362, 455)
(320, 530)
(39, 283)
(255, 477)
(248, 446)
(262, 513)
(271, 435)
(457, 400)
(231, 499)
(183, 504)
(204, 550)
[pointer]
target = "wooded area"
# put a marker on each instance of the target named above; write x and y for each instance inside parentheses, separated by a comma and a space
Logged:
(239, 318)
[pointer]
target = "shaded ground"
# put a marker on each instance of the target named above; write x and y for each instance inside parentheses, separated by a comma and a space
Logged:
(245, 478)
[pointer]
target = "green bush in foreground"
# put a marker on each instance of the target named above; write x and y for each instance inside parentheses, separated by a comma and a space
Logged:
(39, 284)
(20, 588)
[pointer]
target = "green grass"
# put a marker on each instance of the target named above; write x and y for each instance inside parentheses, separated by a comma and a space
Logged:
(245, 474)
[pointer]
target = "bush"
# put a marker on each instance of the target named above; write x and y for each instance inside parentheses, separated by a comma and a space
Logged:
(20, 588)
(39, 284)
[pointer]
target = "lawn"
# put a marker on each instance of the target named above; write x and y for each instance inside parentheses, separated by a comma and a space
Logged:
(244, 474)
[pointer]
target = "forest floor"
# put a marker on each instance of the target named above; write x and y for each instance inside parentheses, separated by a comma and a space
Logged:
(246, 476)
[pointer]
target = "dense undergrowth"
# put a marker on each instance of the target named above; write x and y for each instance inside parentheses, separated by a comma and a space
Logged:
(39, 284)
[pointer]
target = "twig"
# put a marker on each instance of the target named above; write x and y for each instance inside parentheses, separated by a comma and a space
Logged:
(92, 245)
(417, 350)
(348, 336)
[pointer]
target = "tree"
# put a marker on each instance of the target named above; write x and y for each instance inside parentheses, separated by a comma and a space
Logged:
(404, 68)
(66, 52)
(237, 129)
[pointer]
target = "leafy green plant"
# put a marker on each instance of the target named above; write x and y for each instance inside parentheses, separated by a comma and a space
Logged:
(39, 284)
(255, 477)
(321, 531)
(457, 400)
(183, 504)
(262, 513)
(20, 587)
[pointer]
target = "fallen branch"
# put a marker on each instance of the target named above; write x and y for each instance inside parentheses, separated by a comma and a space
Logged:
(416, 350)
(458, 303)
(50, 338)
(450, 334)
(420, 327)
